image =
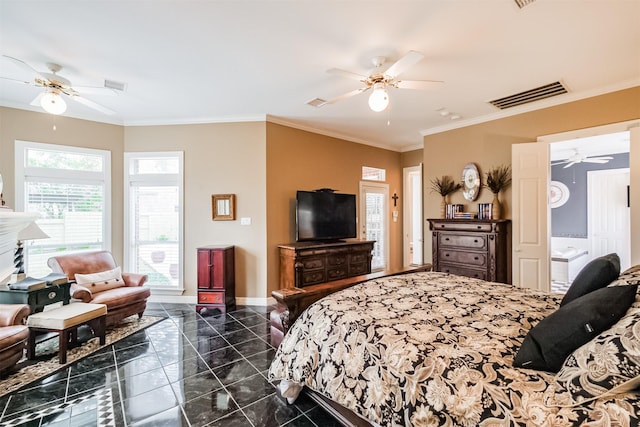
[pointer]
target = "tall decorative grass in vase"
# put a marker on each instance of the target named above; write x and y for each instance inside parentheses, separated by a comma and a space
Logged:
(498, 179)
(444, 186)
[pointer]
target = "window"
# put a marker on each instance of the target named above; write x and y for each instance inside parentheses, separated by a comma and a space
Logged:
(153, 218)
(70, 188)
(373, 174)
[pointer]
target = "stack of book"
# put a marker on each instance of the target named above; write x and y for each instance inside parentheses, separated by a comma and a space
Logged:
(33, 283)
(452, 209)
(484, 210)
(464, 215)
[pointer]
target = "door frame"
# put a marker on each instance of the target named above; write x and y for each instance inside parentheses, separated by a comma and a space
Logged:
(384, 189)
(412, 213)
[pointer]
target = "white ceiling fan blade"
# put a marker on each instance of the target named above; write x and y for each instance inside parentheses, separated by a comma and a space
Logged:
(347, 95)
(25, 66)
(569, 165)
(560, 162)
(93, 105)
(17, 81)
(601, 161)
(347, 74)
(419, 84)
(95, 90)
(601, 158)
(36, 100)
(401, 65)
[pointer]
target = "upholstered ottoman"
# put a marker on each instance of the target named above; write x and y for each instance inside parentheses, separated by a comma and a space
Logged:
(65, 321)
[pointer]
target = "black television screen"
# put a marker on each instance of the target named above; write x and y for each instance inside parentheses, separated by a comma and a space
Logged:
(325, 215)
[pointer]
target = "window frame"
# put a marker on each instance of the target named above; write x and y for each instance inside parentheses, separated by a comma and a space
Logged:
(154, 180)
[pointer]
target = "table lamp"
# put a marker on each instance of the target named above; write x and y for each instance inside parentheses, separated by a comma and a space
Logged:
(31, 232)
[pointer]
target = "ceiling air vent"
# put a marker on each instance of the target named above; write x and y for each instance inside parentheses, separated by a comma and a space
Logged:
(532, 95)
(317, 102)
(523, 3)
(112, 84)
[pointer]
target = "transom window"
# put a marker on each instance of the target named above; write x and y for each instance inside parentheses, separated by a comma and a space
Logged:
(373, 174)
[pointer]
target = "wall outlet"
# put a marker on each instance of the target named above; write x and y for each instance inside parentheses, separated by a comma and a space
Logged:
(245, 221)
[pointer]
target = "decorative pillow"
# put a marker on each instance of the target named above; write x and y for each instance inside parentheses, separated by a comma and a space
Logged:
(102, 281)
(555, 337)
(605, 366)
(598, 273)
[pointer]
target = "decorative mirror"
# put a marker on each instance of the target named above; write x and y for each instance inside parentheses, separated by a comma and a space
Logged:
(470, 182)
(224, 207)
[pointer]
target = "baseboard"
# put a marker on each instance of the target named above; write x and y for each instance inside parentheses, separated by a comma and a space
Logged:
(191, 299)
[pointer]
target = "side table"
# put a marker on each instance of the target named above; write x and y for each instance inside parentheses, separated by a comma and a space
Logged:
(37, 299)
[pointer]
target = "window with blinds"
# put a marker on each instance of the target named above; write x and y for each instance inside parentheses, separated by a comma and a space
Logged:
(153, 217)
(68, 187)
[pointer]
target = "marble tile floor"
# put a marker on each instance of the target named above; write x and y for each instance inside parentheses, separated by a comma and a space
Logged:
(186, 370)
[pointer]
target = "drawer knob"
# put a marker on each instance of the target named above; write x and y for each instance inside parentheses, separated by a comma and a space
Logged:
(478, 227)
(476, 258)
(446, 238)
(446, 254)
(475, 241)
(51, 295)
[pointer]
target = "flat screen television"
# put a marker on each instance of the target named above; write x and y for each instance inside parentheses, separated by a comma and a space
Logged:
(325, 216)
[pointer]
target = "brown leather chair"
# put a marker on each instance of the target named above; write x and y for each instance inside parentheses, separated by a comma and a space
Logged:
(13, 334)
(123, 301)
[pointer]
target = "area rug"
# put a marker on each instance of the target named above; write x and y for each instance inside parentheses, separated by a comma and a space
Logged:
(28, 371)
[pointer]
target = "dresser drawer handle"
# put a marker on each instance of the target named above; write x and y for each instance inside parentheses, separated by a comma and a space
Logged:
(446, 238)
(478, 227)
(446, 254)
(476, 258)
(52, 295)
(475, 241)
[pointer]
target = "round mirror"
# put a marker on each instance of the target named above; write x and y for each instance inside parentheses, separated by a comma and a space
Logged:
(470, 182)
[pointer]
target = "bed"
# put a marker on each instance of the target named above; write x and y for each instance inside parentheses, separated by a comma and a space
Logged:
(434, 349)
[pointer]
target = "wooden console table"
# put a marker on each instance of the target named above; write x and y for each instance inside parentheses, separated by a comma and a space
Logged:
(304, 264)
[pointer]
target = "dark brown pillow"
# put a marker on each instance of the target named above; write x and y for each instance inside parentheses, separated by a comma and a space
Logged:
(555, 337)
(598, 273)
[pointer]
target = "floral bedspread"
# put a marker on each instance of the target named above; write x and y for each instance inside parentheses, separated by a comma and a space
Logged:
(432, 349)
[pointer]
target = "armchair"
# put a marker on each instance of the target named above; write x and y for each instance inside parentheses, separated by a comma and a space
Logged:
(13, 334)
(123, 298)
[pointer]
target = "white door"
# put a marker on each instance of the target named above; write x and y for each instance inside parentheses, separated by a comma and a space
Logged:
(412, 222)
(373, 221)
(531, 215)
(609, 220)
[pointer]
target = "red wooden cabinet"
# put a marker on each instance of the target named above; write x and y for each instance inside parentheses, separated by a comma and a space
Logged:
(216, 279)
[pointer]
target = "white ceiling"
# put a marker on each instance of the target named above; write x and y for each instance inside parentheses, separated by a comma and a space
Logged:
(236, 60)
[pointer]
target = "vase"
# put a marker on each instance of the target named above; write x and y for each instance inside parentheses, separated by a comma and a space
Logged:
(443, 207)
(496, 207)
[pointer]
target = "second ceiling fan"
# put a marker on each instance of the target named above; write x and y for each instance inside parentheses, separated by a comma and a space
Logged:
(578, 157)
(380, 80)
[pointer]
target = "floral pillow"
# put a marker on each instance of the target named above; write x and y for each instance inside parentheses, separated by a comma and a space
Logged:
(607, 365)
(102, 281)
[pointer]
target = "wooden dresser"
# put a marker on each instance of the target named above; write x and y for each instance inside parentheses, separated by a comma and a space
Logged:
(473, 248)
(308, 263)
(216, 279)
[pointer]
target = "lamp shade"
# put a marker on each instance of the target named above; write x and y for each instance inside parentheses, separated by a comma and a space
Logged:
(379, 98)
(53, 103)
(32, 232)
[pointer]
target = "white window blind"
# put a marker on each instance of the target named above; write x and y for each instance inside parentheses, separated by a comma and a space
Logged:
(67, 186)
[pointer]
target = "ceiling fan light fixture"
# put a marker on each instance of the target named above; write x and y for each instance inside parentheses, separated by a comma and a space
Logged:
(379, 98)
(53, 103)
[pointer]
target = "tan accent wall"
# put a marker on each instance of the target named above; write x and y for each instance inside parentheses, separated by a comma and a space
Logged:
(38, 127)
(411, 158)
(300, 160)
(489, 144)
(219, 158)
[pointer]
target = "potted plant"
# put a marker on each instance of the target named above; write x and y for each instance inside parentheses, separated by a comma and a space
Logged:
(444, 186)
(498, 179)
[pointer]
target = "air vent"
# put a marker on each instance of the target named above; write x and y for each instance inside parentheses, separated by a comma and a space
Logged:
(523, 3)
(112, 84)
(542, 92)
(317, 102)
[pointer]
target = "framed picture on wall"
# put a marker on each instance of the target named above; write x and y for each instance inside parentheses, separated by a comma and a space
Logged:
(223, 207)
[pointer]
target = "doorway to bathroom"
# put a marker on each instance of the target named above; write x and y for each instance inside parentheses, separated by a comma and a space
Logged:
(589, 204)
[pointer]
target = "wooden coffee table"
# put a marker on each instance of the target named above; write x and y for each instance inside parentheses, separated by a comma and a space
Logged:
(65, 321)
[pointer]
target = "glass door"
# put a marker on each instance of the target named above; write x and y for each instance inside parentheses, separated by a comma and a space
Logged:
(373, 219)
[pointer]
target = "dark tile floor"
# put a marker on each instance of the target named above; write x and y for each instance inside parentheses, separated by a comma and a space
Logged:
(186, 370)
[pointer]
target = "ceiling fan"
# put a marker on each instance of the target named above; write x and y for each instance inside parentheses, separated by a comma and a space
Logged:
(380, 79)
(55, 86)
(577, 157)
